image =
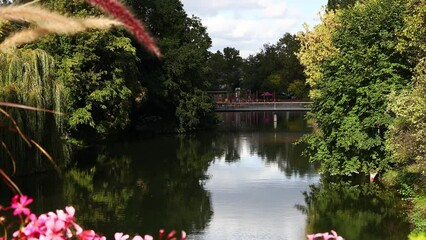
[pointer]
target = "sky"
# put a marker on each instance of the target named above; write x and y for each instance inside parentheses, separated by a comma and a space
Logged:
(247, 25)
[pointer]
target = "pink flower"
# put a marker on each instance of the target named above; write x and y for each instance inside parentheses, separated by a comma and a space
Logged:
(183, 235)
(325, 236)
(21, 206)
(137, 237)
(89, 235)
(146, 237)
(314, 236)
(172, 235)
(120, 236)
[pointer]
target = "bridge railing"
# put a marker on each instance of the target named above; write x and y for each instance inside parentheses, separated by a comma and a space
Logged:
(263, 106)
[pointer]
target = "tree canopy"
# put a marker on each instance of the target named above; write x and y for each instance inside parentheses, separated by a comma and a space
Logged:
(275, 67)
(406, 139)
(352, 84)
(175, 83)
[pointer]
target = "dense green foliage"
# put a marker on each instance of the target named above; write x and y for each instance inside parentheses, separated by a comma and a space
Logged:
(353, 84)
(26, 77)
(275, 67)
(225, 69)
(99, 71)
(366, 66)
(111, 80)
(99, 95)
(406, 138)
(176, 83)
(339, 4)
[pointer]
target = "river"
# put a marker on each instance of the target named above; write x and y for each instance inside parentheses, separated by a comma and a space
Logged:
(244, 180)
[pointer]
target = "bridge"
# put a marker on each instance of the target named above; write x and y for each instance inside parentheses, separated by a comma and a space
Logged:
(262, 106)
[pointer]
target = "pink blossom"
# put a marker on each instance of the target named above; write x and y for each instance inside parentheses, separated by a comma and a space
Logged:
(21, 206)
(90, 235)
(87, 235)
(314, 236)
(137, 237)
(146, 237)
(120, 236)
(325, 236)
(172, 235)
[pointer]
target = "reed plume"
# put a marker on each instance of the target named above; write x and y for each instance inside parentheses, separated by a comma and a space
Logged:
(118, 11)
(47, 22)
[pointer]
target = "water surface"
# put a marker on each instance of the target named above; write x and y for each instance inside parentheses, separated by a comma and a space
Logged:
(244, 180)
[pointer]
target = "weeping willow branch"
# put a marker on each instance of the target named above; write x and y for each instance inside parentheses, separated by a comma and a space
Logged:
(45, 153)
(16, 126)
(9, 182)
(27, 83)
(21, 106)
(10, 156)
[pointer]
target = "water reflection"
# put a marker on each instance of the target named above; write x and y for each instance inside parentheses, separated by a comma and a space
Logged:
(272, 141)
(241, 181)
(37, 126)
(355, 211)
(259, 178)
(144, 186)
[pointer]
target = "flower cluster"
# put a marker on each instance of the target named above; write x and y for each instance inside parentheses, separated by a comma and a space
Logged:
(325, 236)
(59, 226)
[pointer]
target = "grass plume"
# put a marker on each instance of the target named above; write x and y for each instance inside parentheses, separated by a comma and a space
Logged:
(121, 13)
(47, 22)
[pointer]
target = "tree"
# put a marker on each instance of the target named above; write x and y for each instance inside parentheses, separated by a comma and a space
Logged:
(339, 4)
(252, 77)
(291, 68)
(297, 89)
(225, 69)
(232, 70)
(99, 72)
(353, 85)
(181, 73)
(406, 139)
(26, 78)
(215, 73)
(317, 45)
(275, 67)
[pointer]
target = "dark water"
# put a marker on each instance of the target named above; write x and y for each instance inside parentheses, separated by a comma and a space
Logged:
(245, 180)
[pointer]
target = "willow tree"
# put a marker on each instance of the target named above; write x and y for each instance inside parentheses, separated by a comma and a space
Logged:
(26, 79)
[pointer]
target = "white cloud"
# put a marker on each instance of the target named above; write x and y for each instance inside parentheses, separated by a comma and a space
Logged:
(249, 24)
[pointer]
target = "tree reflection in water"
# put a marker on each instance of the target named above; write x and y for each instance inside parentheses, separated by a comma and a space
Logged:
(137, 186)
(274, 143)
(364, 211)
(143, 185)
